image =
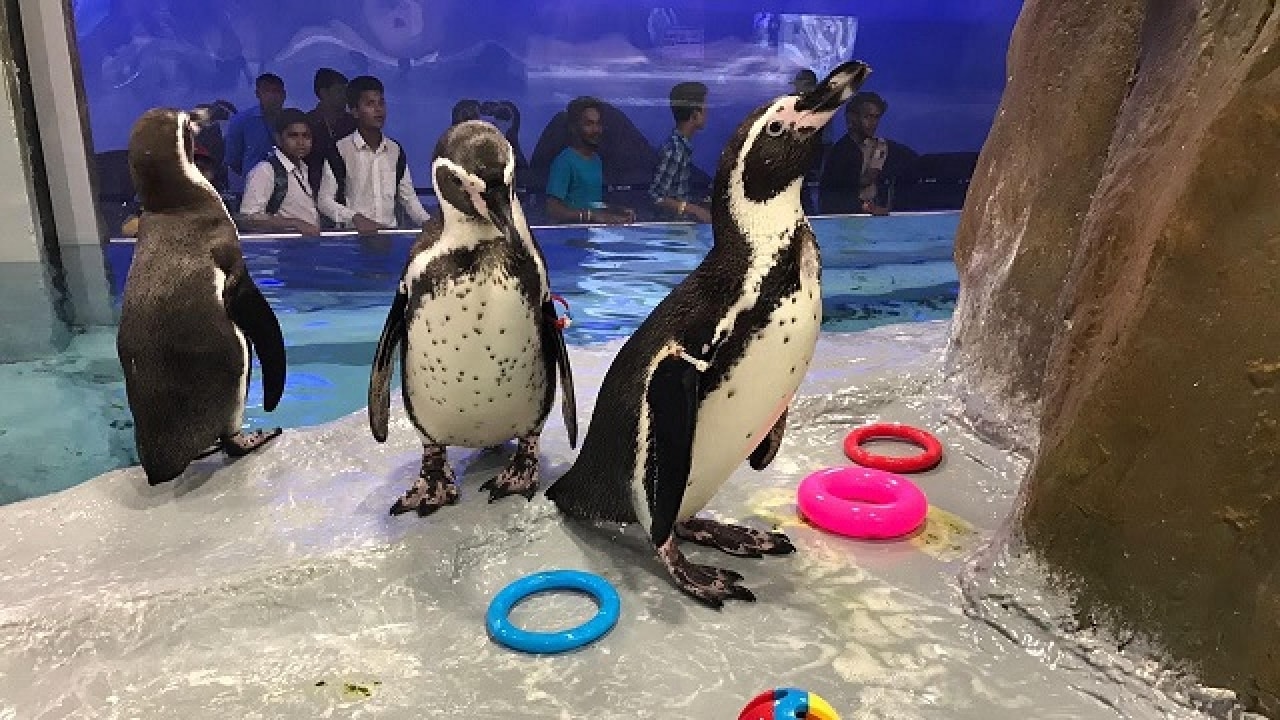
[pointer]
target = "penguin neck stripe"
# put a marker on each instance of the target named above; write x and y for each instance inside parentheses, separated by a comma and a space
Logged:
(189, 169)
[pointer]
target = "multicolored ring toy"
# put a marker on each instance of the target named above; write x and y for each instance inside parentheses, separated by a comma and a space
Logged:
(503, 631)
(788, 704)
(931, 456)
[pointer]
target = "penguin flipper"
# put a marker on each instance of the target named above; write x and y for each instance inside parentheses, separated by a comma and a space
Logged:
(673, 405)
(769, 444)
(568, 400)
(383, 358)
(251, 312)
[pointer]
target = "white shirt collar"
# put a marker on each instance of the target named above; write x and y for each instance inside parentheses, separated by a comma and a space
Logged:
(358, 140)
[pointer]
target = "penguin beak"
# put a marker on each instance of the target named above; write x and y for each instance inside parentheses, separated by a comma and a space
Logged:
(835, 90)
(497, 200)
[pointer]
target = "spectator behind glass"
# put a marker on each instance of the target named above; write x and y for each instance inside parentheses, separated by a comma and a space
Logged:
(278, 195)
(505, 116)
(329, 119)
(670, 187)
(804, 81)
(851, 175)
(211, 119)
(360, 184)
(251, 134)
(575, 183)
(464, 110)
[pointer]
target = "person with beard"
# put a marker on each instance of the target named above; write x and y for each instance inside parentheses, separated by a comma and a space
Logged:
(575, 184)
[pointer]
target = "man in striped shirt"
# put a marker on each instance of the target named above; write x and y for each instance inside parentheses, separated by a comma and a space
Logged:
(670, 187)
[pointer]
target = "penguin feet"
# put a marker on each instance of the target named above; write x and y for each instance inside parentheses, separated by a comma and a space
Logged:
(733, 539)
(434, 488)
(520, 476)
(711, 585)
(243, 443)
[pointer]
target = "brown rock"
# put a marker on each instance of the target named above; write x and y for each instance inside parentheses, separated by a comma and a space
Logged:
(1126, 304)
(1027, 203)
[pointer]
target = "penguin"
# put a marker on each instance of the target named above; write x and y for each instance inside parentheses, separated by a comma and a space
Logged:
(705, 381)
(480, 343)
(191, 314)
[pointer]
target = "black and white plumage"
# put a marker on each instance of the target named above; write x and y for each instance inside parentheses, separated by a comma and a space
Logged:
(480, 345)
(191, 313)
(705, 381)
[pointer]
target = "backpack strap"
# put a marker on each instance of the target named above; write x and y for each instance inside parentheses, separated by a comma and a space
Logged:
(339, 167)
(401, 163)
(279, 184)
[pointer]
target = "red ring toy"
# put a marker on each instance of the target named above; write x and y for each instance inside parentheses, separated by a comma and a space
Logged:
(931, 456)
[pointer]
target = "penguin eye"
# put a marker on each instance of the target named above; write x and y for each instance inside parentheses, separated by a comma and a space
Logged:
(774, 129)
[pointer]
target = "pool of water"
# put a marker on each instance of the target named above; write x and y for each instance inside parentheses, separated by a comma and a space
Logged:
(66, 419)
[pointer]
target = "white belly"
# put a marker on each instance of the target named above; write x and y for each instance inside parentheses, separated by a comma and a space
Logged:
(473, 370)
(734, 418)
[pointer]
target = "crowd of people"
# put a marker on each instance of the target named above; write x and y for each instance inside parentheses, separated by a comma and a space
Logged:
(333, 167)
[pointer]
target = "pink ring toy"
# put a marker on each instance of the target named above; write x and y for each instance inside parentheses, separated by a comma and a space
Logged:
(862, 502)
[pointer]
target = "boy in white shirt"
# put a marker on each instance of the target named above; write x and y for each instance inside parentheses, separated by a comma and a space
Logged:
(368, 172)
(278, 196)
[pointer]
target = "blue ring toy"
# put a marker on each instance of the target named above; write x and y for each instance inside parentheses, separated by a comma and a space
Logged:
(503, 631)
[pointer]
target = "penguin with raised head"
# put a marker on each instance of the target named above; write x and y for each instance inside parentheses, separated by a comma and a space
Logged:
(480, 342)
(191, 313)
(706, 379)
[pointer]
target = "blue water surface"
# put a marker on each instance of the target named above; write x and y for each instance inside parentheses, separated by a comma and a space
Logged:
(67, 419)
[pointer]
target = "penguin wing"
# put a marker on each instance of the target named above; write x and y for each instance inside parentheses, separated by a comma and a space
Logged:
(672, 398)
(769, 444)
(380, 376)
(558, 355)
(251, 312)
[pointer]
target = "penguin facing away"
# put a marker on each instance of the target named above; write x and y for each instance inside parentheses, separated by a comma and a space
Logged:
(706, 379)
(480, 344)
(191, 313)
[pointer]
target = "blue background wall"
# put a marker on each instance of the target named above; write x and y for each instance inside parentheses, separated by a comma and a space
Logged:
(939, 63)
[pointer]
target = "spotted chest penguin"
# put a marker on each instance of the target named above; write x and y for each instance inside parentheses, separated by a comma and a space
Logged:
(480, 344)
(191, 314)
(705, 381)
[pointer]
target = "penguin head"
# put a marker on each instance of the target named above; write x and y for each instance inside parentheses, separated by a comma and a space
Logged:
(162, 161)
(474, 172)
(777, 143)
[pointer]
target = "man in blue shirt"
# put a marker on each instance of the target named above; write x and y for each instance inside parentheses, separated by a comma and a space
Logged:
(575, 183)
(250, 137)
(670, 187)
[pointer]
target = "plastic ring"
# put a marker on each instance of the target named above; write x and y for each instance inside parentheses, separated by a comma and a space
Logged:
(862, 502)
(789, 703)
(503, 631)
(926, 460)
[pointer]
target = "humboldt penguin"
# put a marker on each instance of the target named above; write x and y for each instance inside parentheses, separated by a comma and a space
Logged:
(191, 313)
(706, 380)
(480, 342)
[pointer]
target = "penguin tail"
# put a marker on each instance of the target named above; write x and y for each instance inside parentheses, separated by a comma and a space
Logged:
(583, 496)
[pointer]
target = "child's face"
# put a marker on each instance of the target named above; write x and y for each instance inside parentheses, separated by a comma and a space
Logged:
(370, 110)
(295, 141)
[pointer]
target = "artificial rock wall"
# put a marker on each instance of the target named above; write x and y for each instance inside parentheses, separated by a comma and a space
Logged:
(1119, 257)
